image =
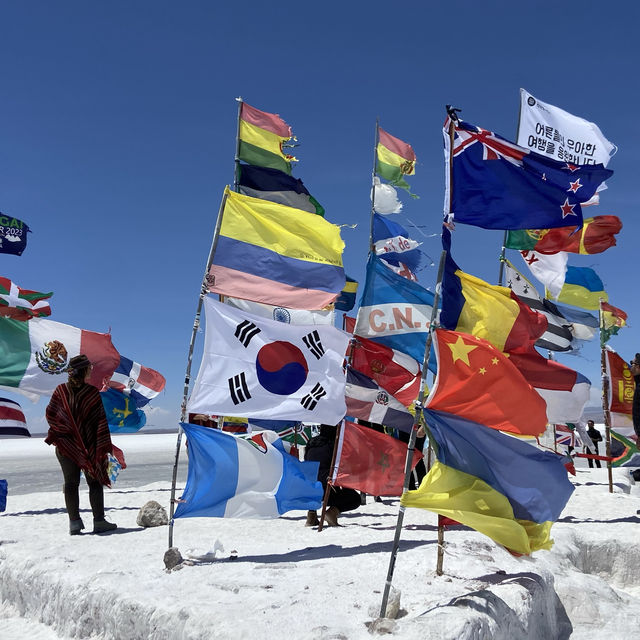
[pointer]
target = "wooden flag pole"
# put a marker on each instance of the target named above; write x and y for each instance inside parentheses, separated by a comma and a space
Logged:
(605, 400)
(412, 439)
(325, 500)
(204, 290)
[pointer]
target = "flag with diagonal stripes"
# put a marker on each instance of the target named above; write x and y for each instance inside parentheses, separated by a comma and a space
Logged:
(260, 368)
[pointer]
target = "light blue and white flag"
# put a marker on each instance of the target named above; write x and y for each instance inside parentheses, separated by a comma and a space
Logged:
(394, 311)
(233, 477)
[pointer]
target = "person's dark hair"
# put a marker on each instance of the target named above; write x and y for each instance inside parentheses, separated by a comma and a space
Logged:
(77, 369)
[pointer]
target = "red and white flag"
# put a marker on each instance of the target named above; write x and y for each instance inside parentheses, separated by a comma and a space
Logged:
(12, 420)
(22, 304)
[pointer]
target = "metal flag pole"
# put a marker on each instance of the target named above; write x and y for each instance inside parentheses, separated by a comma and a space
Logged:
(236, 172)
(373, 186)
(204, 289)
(412, 439)
(605, 399)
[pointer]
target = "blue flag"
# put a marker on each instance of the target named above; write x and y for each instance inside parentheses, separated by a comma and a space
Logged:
(495, 184)
(3, 494)
(347, 298)
(394, 311)
(13, 235)
(252, 477)
(393, 243)
(122, 414)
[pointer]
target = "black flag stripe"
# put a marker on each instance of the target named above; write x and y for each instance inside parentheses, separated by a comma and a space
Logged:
(314, 344)
(245, 331)
(238, 388)
(311, 399)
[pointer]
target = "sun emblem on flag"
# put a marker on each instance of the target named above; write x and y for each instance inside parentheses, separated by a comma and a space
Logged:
(52, 358)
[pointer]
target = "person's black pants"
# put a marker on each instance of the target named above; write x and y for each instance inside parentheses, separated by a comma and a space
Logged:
(71, 473)
(592, 461)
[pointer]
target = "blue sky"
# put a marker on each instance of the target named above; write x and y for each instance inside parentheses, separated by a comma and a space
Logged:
(118, 124)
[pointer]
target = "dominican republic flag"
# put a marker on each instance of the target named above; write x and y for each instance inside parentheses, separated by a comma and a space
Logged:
(495, 184)
(232, 477)
(367, 401)
(140, 383)
(12, 420)
(260, 368)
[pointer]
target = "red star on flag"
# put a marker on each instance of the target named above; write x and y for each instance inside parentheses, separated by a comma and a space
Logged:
(567, 209)
(574, 186)
(571, 167)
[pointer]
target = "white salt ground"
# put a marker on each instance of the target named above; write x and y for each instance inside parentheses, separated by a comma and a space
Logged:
(291, 580)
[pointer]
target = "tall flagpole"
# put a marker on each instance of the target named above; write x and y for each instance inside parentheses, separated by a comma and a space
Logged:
(373, 185)
(412, 439)
(605, 399)
(236, 172)
(204, 290)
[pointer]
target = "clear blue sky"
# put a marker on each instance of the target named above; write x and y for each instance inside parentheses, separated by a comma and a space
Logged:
(118, 124)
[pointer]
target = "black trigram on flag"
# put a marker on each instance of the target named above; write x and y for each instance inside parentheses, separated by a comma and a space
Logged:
(314, 344)
(238, 388)
(311, 399)
(245, 331)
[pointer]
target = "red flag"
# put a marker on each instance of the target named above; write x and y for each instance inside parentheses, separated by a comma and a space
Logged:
(370, 461)
(395, 372)
(477, 382)
(22, 304)
(595, 236)
(621, 383)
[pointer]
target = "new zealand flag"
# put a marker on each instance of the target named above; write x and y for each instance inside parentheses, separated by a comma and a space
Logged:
(495, 184)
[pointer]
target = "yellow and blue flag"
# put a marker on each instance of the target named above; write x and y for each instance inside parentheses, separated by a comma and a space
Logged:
(496, 484)
(582, 288)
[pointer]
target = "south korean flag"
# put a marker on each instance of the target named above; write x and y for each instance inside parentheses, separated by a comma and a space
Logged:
(260, 368)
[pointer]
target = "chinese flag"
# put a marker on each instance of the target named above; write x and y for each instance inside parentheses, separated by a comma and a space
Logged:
(371, 461)
(477, 382)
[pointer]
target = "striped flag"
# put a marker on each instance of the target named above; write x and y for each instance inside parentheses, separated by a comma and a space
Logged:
(140, 383)
(12, 420)
(22, 304)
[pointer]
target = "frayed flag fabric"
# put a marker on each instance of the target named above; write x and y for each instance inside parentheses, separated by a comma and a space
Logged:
(36, 354)
(613, 319)
(140, 383)
(283, 314)
(270, 253)
(233, 477)
(549, 269)
(495, 184)
(366, 400)
(496, 484)
(393, 244)
(277, 186)
(370, 461)
(394, 311)
(123, 416)
(13, 235)
(22, 304)
(558, 336)
(12, 420)
(261, 368)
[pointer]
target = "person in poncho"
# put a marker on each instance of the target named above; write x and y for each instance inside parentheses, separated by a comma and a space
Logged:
(78, 428)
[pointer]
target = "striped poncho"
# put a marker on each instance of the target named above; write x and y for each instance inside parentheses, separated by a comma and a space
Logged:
(78, 428)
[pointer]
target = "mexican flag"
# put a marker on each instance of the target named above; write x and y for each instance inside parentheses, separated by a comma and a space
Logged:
(35, 355)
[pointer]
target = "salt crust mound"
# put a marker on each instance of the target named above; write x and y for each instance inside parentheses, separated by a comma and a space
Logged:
(257, 579)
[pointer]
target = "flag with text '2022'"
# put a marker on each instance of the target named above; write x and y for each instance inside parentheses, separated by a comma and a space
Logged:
(394, 311)
(370, 461)
(22, 304)
(136, 381)
(12, 420)
(495, 184)
(261, 368)
(270, 253)
(252, 477)
(480, 383)
(35, 355)
(496, 484)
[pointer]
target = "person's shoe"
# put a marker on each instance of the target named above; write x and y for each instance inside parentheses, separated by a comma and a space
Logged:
(312, 519)
(75, 527)
(102, 526)
(331, 516)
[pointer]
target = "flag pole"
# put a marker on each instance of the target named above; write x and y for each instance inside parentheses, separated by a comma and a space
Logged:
(412, 439)
(236, 171)
(605, 398)
(204, 290)
(502, 258)
(373, 185)
(325, 499)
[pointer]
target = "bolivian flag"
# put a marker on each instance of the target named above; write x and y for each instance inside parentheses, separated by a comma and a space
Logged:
(395, 159)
